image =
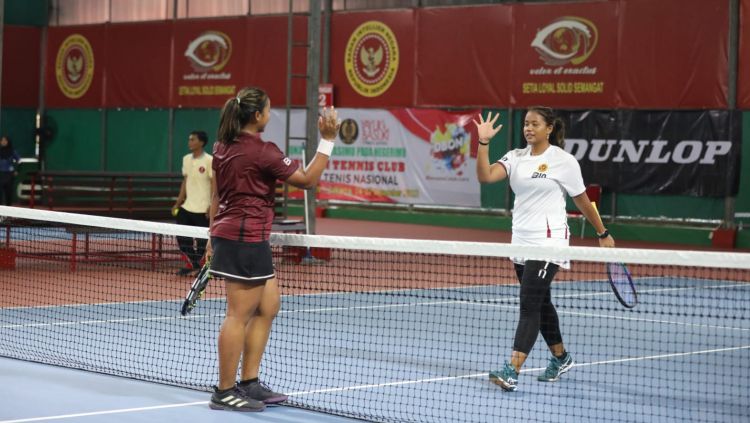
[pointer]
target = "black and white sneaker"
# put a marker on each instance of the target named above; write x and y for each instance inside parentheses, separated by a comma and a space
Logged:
(259, 391)
(234, 400)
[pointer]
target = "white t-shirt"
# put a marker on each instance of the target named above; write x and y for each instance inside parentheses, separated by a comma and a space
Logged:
(540, 184)
(198, 173)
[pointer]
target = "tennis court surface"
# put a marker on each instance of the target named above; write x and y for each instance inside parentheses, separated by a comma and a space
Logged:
(388, 330)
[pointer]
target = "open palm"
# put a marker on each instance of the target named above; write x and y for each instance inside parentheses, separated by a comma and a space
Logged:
(485, 128)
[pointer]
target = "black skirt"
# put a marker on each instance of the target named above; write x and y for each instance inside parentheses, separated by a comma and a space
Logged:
(248, 262)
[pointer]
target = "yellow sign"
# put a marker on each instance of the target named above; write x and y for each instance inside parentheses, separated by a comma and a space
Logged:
(371, 58)
(74, 67)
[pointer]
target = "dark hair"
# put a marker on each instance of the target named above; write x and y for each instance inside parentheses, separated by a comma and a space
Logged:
(202, 136)
(557, 136)
(240, 110)
(6, 151)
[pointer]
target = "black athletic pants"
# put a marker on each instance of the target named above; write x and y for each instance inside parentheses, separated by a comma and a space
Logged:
(191, 247)
(6, 188)
(538, 314)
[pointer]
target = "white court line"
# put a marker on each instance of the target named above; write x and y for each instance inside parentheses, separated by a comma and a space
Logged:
(484, 374)
(487, 302)
(611, 316)
(385, 384)
(99, 413)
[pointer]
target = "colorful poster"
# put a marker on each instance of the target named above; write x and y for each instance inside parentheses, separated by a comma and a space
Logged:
(564, 55)
(372, 58)
(208, 61)
(461, 55)
(412, 156)
(75, 66)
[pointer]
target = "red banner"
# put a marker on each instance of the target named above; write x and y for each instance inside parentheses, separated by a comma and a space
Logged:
(208, 61)
(266, 57)
(21, 49)
(76, 61)
(137, 64)
(743, 72)
(563, 54)
(372, 58)
(673, 54)
(460, 55)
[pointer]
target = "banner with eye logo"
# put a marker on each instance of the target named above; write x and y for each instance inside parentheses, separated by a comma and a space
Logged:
(563, 54)
(209, 61)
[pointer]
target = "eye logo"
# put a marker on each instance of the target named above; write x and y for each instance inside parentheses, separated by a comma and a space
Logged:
(210, 51)
(74, 66)
(371, 58)
(568, 39)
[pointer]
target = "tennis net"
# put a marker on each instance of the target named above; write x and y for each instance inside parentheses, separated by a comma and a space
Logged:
(386, 329)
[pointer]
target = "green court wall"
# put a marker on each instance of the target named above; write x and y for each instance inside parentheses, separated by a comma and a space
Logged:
(18, 124)
(77, 145)
(137, 140)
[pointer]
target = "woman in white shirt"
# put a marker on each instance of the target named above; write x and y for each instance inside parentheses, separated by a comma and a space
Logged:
(540, 175)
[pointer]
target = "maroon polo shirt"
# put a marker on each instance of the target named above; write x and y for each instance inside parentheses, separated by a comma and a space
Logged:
(246, 173)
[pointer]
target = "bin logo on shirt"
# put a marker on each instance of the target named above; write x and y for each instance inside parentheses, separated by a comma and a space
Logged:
(74, 66)
(371, 58)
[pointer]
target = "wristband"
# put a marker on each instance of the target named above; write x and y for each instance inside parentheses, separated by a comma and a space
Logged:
(325, 147)
(603, 234)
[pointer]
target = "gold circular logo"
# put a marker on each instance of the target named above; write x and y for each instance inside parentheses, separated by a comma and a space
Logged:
(74, 66)
(542, 167)
(349, 131)
(371, 58)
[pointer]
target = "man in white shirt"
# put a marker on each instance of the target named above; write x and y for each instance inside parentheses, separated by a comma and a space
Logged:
(191, 207)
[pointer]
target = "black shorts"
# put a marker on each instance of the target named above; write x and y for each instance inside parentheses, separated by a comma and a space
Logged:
(249, 262)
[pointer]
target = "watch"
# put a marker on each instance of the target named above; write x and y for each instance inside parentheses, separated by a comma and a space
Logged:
(603, 234)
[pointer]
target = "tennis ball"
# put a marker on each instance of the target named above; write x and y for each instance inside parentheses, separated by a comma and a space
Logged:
(175, 211)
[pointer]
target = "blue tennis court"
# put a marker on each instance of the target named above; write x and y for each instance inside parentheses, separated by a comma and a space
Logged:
(412, 355)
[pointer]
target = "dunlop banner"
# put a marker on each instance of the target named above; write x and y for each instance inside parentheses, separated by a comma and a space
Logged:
(658, 152)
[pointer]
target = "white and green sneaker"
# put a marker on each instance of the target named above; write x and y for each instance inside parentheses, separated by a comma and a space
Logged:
(556, 367)
(507, 378)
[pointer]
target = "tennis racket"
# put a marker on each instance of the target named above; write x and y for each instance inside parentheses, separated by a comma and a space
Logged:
(622, 284)
(621, 281)
(197, 288)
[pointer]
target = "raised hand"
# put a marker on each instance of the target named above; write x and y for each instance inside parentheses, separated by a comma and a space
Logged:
(328, 123)
(485, 128)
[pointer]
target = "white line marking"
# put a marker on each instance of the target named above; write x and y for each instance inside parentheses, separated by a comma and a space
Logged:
(532, 370)
(99, 413)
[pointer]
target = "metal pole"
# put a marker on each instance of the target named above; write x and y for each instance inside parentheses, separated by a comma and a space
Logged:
(313, 75)
(734, 24)
(325, 72)
(170, 118)
(2, 40)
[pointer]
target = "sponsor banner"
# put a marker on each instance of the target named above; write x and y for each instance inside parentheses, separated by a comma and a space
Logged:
(20, 63)
(459, 56)
(412, 156)
(75, 66)
(137, 64)
(563, 54)
(743, 73)
(690, 153)
(208, 61)
(372, 58)
(669, 63)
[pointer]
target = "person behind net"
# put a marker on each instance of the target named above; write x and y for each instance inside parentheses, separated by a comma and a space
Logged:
(191, 207)
(246, 169)
(8, 170)
(540, 175)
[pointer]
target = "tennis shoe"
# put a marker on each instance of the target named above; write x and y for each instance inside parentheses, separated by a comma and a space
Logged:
(507, 378)
(234, 399)
(259, 391)
(556, 367)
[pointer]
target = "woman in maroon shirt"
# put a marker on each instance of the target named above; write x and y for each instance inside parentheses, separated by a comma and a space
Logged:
(246, 169)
